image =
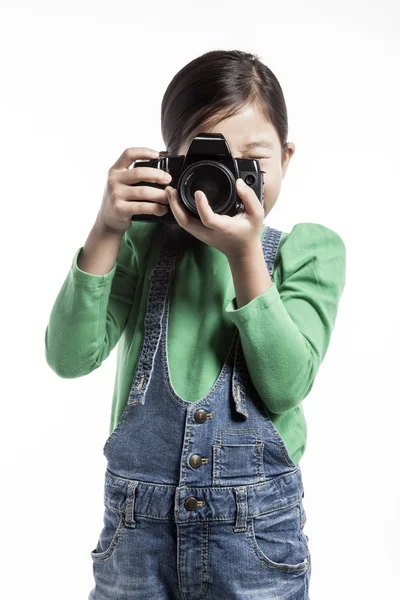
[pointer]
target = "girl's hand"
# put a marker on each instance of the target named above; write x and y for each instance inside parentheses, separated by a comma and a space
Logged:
(122, 200)
(235, 236)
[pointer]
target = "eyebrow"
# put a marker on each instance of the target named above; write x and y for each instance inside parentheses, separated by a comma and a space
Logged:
(257, 144)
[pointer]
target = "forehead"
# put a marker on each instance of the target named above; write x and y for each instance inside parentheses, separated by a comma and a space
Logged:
(244, 131)
(258, 142)
(244, 143)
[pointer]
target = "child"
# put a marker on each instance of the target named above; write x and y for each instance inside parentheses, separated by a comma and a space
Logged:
(222, 324)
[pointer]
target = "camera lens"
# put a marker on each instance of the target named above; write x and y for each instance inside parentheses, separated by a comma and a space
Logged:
(212, 178)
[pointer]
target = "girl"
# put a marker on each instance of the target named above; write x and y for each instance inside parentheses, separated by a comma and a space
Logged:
(222, 324)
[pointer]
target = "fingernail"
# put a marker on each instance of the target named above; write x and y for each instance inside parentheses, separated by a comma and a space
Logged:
(240, 182)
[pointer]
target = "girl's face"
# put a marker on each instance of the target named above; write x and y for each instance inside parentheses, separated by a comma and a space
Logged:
(249, 135)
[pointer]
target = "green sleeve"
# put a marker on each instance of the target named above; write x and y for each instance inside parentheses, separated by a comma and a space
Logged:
(285, 332)
(89, 314)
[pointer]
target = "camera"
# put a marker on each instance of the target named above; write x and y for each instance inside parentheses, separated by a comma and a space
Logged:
(207, 166)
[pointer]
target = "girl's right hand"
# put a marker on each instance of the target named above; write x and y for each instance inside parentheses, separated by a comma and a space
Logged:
(121, 200)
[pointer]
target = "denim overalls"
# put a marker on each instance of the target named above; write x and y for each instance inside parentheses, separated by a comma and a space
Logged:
(201, 499)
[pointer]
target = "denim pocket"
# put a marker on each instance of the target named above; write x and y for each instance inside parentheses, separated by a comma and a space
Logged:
(238, 456)
(110, 536)
(277, 540)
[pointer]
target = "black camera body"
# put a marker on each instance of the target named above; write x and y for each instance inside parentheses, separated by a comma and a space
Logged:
(207, 166)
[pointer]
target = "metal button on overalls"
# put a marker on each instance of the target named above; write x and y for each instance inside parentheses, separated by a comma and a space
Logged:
(202, 500)
(201, 416)
(190, 503)
(196, 461)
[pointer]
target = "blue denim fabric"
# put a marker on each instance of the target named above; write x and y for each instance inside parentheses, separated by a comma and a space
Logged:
(201, 499)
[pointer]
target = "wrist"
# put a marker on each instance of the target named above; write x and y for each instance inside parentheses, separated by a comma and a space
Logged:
(104, 231)
(245, 254)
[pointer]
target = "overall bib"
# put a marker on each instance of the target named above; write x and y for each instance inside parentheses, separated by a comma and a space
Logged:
(201, 499)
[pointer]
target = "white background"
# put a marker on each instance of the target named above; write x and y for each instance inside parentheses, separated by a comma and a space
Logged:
(81, 81)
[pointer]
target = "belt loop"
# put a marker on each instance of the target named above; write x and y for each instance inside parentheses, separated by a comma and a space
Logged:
(130, 505)
(241, 509)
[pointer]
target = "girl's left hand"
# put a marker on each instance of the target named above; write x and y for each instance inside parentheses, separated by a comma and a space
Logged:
(235, 236)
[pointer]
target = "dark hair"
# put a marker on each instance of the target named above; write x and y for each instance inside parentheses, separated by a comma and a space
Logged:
(215, 86)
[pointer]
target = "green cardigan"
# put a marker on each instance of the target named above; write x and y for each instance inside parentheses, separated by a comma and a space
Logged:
(285, 332)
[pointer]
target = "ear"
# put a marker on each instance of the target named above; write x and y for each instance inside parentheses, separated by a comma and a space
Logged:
(286, 156)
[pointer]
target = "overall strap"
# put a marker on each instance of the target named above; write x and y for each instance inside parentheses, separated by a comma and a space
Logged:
(270, 243)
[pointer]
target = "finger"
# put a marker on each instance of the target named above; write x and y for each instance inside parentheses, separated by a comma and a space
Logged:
(173, 200)
(249, 198)
(206, 213)
(131, 154)
(189, 223)
(142, 193)
(145, 174)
